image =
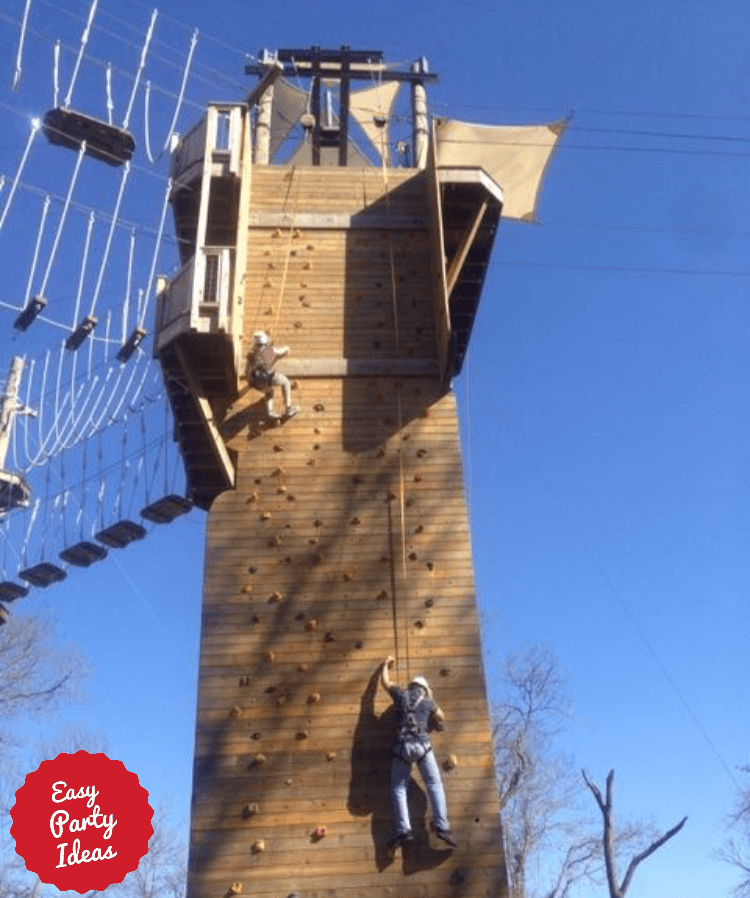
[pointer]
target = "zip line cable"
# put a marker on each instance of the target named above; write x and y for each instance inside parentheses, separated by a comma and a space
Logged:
(35, 125)
(141, 64)
(18, 72)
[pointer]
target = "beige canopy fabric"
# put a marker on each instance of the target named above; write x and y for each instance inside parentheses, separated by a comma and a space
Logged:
(365, 104)
(516, 156)
(289, 103)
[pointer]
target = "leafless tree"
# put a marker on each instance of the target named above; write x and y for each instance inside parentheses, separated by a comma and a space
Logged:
(538, 789)
(736, 847)
(37, 675)
(617, 889)
(162, 873)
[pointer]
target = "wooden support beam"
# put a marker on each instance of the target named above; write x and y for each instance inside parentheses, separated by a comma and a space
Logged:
(196, 391)
(457, 262)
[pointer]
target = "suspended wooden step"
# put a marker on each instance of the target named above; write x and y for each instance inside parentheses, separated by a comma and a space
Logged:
(81, 332)
(131, 344)
(10, 591)
(43, 574)
(83, 554)
(4, 615)
(33, 308)
(121, 534)
(165, 510)
(105, 142)
(14, 491)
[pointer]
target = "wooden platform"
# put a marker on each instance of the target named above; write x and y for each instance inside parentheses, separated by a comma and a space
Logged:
(345, 540)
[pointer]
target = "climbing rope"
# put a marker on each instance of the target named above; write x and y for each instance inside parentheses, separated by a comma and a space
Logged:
(35, 125)
(84, 260)
(181, 97)
(141, 64)
(37, 247)
(84, 40)
(157, 247)
(110, 235)
(18, 71)
(290, 239)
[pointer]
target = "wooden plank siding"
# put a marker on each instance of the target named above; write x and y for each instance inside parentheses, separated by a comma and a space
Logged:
(346, 540)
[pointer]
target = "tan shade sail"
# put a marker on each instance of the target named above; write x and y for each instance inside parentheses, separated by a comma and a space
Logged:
(288, 105)
(365, 105)
(516, 156)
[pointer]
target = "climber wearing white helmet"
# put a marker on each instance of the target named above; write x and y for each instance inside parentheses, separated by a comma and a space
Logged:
(261, 375)
(416, 714)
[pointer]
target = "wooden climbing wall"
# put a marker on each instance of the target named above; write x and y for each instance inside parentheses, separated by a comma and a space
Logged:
(346, 540)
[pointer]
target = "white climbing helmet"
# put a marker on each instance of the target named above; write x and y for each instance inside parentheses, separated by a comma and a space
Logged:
(420, 681)
(261, 338)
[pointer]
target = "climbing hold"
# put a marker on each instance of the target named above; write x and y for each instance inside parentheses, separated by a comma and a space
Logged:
(347, 577)
(245, 681)
(253, 497)
(359, 644)
(406, 436)
(267, 284)
(304, 285)
(265, 515)
(311, 246)
(269, 656)
(274, 541)
(276, 233)
(356, 521)
(419, 528)
(258, 760)
(412, 556)
(319, 407)
(317, 430)
(302, 735)
(300, 616)
(409, 503)
(281, 488)
(272, 265)
(330, 755)
(451, 762)
(417, 478)
(297, 325)
(278, 447)
(282, 700)
(316, 446)
(251, 810)
(256, 736)
(430, 565)
(296, 233)
(289, 782)
(288, 560)
(255, 619)
(317, 523)
(428, 603)
(419, 624)
(247, 588)
(275, 598)
(421, 453)
(252, 570)
(311, 625)
(392, 496)
(445, 672)
(314, 698)
(312, 462)
(290, 498)
(236, 711)
(235, 888)
(277, 472)
(313, 540)
(381, 451)
(303, 668)
(385, 558)
(307, 265)
(259, 847)
(329, 637)
(270, 690)
(318, 833)
(356, 479)
(383, 594)
(293, 252)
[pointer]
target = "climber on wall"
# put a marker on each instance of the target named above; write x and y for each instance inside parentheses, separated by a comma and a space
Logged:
(261, 375)
(416, 714)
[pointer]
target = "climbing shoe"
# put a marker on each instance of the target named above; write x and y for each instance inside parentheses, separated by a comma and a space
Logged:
(445, 835)
(399, 842)
(291, 411)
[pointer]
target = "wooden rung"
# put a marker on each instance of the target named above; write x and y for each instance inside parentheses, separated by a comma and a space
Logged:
(121, 534)
(165, 510)
(83, 554)
(43, 574)
(33, 308)
(105, 142)
(10, 591)
(83, 330)
(131, 344)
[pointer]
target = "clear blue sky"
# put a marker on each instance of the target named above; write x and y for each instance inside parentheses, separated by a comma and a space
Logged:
(603, 403)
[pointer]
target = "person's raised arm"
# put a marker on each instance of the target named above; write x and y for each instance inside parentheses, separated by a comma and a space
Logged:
(384, 676)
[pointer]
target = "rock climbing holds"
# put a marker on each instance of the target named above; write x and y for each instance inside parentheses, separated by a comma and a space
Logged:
(235, 888)
(251, 810)
(275, 598)
(269, 656)
(259, 847)
(314, 698)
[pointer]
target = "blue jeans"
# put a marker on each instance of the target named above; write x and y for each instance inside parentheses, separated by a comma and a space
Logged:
(400, 774)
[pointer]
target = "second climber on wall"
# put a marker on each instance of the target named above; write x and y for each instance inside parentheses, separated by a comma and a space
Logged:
(416, 714)
(261, 375)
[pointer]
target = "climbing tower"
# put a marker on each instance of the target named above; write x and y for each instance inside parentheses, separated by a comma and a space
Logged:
(339, 536)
